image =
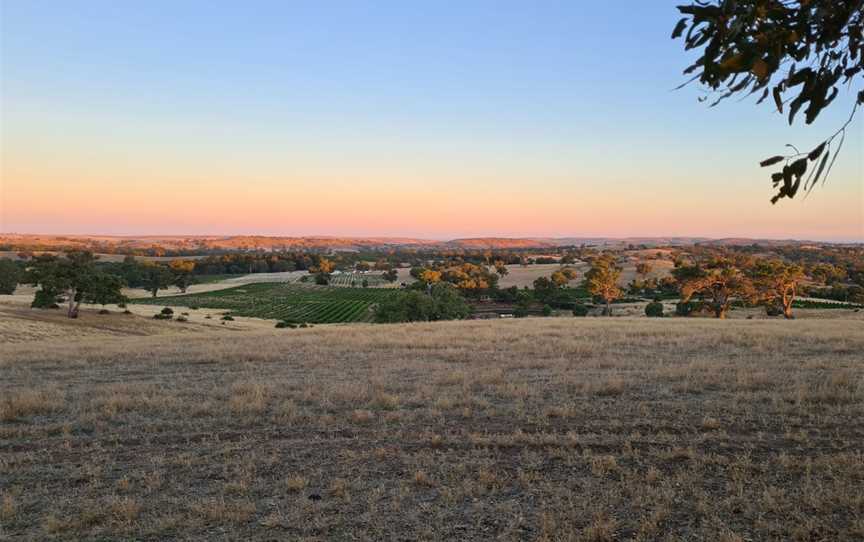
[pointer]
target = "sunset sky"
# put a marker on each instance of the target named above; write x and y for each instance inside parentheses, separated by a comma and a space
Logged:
(426, 119)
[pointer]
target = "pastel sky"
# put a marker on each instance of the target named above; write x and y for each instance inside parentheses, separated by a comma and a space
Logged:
(430, 119)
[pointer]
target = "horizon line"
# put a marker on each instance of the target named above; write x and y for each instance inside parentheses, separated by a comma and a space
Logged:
(441, 239)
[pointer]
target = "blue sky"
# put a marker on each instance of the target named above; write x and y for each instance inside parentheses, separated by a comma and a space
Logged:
(548, 112)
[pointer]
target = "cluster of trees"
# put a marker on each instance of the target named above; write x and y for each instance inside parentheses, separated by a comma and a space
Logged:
(73, 279)
(153, 276)
(721, 281)
(78, 277)
(442, 302)
(470, 279)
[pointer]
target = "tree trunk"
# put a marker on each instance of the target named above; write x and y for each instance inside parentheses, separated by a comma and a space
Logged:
(153, 291)
(72, 311)
(788, 298)
(720, 311)
(608, 308)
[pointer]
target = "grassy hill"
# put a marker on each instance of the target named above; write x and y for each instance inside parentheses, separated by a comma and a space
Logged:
(556, 429)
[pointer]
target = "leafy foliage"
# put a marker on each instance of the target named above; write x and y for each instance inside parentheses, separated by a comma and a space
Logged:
(799, 53)
(718, 284)
(580, 310)
(442, 303)
(776, 283)
(602, 281)
(654, 309)
(10, 276)
(74, 275)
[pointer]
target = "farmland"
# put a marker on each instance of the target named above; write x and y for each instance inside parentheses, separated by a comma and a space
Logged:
(289, 302)
(355, 280)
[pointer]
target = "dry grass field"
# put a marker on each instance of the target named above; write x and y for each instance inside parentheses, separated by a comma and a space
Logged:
(538, 429)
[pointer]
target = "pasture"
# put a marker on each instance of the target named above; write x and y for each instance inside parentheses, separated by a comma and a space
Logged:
(289, 302)
(539, 429)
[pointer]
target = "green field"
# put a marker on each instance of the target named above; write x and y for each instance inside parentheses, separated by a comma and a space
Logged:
(289, 302)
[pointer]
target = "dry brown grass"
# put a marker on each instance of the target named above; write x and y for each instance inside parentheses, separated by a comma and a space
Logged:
(552, 429)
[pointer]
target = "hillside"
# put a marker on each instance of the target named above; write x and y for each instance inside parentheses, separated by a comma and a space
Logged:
(555, 429)
(194, 243)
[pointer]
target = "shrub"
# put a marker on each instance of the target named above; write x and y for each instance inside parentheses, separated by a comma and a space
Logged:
(127, 311)
(284, 324)
(547, 310)
(228, 318)
(168, 310)
(773, 310)
(182, 318)
(684, 309)
(104, 311)
(580, 310)
(45, 300)
(163, 316)
(654, 309)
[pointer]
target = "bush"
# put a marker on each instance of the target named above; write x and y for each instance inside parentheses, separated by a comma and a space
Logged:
(684, 309)
(182, 318)
(580, 310)
(163, 316)
(547, 310)
(168, 310)
(45, 300)
(127, 311)
(654, 309)
(283, 324)
(228, 318)
(773, 310)
(104, 311)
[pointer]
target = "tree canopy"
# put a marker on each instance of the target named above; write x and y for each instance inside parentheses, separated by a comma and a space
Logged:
(799, 53)
(10, 276)
(74, 276)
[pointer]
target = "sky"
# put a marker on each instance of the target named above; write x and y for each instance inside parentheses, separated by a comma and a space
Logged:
(424, 119)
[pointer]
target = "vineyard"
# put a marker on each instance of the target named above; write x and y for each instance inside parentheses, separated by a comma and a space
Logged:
(355, 280)
(289, 302)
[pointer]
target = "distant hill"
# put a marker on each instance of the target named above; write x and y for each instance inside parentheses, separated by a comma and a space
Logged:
(202, 243)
